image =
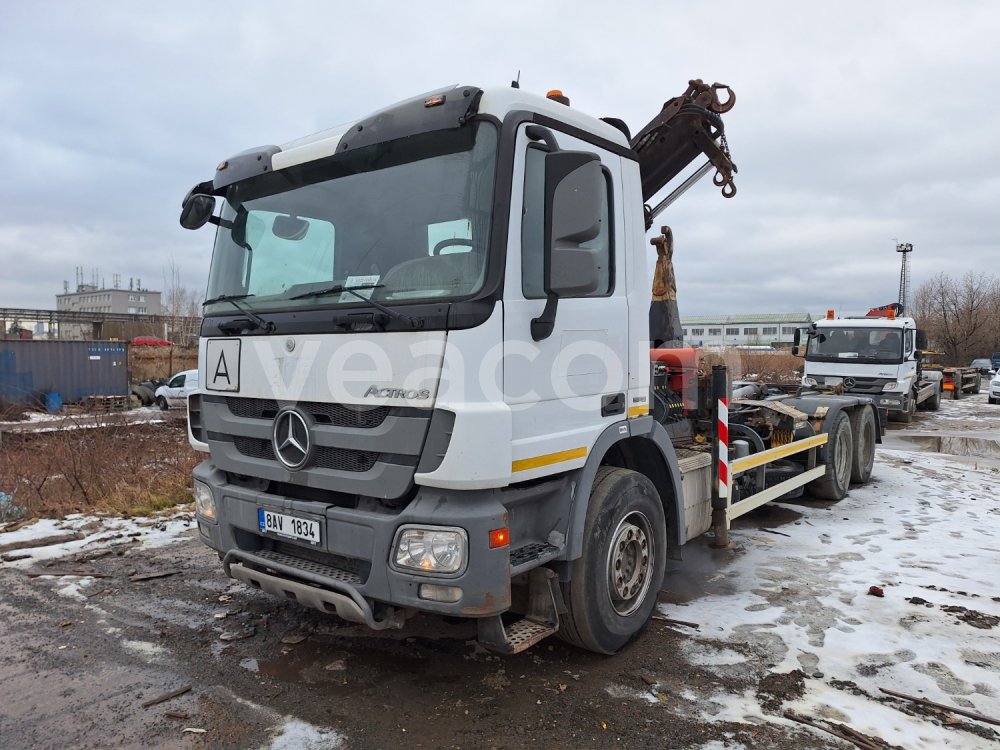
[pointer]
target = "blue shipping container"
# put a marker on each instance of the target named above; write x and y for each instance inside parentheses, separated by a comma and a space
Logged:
(73, 369)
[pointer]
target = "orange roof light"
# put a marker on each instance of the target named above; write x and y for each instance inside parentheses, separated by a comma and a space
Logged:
(434, 101)
(499, 537)
(892, 313)
(829, 314)
(557, 96)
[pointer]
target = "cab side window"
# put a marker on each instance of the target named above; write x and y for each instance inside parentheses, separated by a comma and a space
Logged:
(533, 232)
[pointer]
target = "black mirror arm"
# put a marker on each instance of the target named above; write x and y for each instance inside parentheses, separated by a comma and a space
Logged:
(541, 327)
(538, 133)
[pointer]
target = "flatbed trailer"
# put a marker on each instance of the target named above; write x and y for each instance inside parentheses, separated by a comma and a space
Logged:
(960, 381)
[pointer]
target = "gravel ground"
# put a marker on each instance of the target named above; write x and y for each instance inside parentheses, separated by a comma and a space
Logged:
(80, 654)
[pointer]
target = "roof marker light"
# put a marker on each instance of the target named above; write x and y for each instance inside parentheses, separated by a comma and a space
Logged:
(557, 96)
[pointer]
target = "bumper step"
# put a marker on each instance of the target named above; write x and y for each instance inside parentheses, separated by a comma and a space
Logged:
(542, 620)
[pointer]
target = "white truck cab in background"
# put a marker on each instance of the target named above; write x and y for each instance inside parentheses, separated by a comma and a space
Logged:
(875, 356)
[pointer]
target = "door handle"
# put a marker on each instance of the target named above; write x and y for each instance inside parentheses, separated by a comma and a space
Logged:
(613, 404)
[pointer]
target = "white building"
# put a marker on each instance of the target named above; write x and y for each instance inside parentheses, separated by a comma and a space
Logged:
(751, 329)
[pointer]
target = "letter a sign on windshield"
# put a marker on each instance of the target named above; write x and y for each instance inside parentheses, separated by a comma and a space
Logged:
(222, 365)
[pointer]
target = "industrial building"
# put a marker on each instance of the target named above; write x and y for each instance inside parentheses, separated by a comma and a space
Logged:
(750, 329)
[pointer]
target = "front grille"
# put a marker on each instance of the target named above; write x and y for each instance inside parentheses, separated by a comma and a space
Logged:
(337, 415)
(338, 459)
(342, 459)
(255, 448)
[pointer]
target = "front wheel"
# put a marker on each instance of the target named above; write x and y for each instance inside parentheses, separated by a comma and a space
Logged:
(835, 483)
(906, 415)
(934, 402)
(614, 584)
(162, 403)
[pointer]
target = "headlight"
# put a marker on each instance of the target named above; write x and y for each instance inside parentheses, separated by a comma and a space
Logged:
(204, 502)
(893, 386)
(431, 549)
(811, 382)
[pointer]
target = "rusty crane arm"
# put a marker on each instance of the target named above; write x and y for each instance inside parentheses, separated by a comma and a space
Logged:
(687, 126)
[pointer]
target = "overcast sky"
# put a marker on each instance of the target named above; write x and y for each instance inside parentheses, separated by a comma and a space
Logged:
(856, 123)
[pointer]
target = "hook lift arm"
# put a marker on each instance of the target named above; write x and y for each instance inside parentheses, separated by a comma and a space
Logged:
(688, 125)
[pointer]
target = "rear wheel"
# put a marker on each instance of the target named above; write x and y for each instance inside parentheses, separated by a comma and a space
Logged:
(613, 585)
(863, 456)
(839, 450)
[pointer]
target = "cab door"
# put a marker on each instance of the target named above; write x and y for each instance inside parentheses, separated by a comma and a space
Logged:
(565, 389)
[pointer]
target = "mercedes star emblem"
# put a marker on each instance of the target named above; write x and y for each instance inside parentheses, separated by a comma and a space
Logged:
(291, 439)
(849, 383)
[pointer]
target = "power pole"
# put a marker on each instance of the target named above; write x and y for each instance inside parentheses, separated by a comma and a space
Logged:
(904, 248)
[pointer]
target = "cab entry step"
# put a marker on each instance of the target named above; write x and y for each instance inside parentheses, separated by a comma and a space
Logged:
(542, 620)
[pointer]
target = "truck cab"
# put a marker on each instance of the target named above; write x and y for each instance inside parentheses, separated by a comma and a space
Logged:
(876, 356)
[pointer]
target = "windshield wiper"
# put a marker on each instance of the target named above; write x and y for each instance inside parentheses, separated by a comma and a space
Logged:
(253, 317)
(338, 288)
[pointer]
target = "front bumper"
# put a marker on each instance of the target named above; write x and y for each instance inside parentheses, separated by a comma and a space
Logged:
(349, 572)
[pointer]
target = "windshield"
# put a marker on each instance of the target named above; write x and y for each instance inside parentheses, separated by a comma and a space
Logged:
(879, 345)
(399, 221)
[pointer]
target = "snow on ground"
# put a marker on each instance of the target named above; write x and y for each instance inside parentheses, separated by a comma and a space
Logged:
(45, 422)
(94, 533)
(927, 529)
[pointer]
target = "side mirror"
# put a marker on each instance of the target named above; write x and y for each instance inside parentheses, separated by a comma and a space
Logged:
(196, 210)
(574, 188)
(921, 339)
(574, 194)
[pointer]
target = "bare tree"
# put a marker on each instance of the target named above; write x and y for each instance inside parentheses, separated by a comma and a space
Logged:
(961, 316)
(180, 306)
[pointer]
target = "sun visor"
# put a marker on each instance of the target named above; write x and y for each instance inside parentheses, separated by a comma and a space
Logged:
(255, 161)
(437, 110)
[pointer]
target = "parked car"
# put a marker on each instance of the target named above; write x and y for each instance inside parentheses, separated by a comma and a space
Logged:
(984, 366)
(177, 389)
(994, 392)
(150, 341)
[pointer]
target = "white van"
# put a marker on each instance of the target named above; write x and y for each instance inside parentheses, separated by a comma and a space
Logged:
(177, 389)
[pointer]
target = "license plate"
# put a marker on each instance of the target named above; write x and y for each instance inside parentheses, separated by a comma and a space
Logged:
(292, 527)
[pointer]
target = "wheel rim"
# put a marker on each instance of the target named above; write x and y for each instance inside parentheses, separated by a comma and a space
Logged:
(842, 461)
(630, 560)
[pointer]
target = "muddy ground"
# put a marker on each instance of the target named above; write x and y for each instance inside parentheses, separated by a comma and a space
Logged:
(79, 655)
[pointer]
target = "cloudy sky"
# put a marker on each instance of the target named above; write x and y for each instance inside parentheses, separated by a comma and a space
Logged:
(857, 123)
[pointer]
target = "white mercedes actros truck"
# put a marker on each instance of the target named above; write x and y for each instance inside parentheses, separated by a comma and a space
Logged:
(426, 381)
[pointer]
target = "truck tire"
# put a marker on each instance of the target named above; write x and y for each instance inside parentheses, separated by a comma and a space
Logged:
(906, 415)
(613, 585)
(934, 402)
(863, 455)
(144, 394)
(839, 450)
(162, 403)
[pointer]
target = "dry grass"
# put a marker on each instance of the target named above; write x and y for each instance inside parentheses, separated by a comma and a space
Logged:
(160, 362)
(778, 367)
(115, 467)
